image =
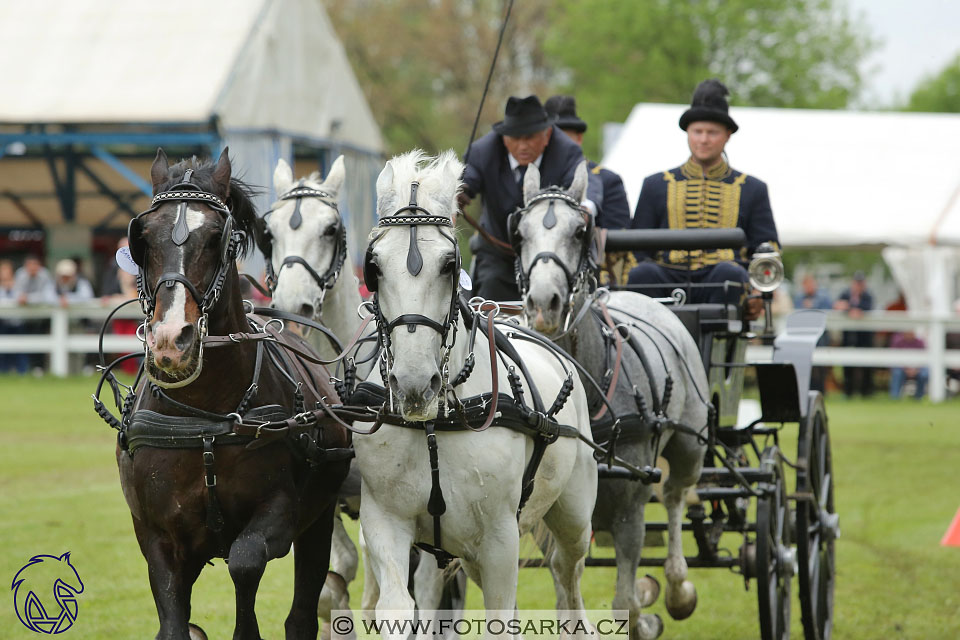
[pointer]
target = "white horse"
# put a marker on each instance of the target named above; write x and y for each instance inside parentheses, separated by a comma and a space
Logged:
(552, 237)
(310, 228)
(415, 271)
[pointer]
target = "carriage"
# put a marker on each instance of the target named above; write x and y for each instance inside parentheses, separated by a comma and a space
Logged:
(785, 533)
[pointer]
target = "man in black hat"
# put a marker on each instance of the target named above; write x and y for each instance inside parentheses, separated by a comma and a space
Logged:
(495, 166)
(606, 197)
(704, 193)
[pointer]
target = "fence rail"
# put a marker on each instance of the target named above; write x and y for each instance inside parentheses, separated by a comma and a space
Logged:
(67, 335)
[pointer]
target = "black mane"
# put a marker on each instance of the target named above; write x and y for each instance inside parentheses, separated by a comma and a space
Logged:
(240, 201)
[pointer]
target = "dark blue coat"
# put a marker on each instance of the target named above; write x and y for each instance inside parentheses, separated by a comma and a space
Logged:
(677, 199)
(488, 174)
(606, 190)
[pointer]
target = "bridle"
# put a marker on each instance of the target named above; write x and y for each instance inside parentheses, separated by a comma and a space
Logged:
(230, 240)
(448, 328)
(584, 278)
(330, 276)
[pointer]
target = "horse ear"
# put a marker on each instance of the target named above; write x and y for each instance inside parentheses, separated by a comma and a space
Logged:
(531, 182)
(578, 188)
(65, 557)
(221, 173)
(158, 171)
(451, 171)
(385, 180)
(335, 177)
(282, 177)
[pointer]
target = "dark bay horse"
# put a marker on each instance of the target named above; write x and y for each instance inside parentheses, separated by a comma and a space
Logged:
(216, 456)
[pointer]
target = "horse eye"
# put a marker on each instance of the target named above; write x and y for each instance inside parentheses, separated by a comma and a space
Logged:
(578, 234)
(447, 267)
(331, 230)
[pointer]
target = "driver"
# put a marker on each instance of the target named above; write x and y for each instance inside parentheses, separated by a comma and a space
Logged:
(704, 193)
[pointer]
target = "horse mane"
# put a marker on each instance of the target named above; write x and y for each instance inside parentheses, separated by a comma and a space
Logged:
(240, 201)
(439, 178)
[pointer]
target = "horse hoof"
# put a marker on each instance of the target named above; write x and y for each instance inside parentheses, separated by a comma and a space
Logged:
(648, 589)
(196, 633)
(649, 627)
(681, 602)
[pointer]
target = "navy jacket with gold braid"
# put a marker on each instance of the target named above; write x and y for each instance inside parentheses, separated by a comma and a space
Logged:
(719, 198)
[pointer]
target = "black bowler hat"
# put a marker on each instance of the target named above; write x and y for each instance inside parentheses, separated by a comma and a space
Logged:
(709, 103)
(564, 108)
(522, 117)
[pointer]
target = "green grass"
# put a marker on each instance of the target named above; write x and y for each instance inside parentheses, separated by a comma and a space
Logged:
(896, 467)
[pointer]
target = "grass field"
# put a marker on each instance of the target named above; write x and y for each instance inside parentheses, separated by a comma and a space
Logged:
(896, 465)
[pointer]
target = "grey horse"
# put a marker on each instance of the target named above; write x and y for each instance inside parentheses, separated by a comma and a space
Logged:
(551, 236)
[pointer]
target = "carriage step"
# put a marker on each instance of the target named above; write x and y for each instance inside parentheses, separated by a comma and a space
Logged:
(694, 562)
(707, 494)
(722, 475)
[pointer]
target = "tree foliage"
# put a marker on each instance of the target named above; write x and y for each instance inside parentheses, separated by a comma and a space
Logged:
(938, 93)
(423, 63)
(769, 53)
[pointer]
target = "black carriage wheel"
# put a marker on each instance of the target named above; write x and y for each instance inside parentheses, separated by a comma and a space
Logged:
(774, 571)
(817, 522)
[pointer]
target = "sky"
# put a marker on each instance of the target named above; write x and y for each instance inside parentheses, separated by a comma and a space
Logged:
(918, 38)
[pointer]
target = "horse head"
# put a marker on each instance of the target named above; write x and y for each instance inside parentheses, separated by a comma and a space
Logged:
(306, 239)
(413, 265)
(551, 236)
(185, 245)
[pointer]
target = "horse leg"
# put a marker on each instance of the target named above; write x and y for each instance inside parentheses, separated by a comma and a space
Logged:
(681, 596)
(171, 581)
(267, 536)
(388, 539)
(371, 589)
(628, 531)
(343, 570)
(311, 556)
(428, 582)
(497, 559)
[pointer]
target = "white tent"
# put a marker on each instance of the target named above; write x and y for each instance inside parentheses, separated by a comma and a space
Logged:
(112, 80)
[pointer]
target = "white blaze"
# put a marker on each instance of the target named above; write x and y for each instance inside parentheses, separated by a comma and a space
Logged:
(177, 311)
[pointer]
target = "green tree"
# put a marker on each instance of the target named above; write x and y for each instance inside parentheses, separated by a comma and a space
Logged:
(770, 53)
(938, 93)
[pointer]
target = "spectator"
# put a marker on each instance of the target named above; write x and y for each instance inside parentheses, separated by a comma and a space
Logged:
(70, 286)
(899, 375)
(18, 362)
(812, 297)
(33, 283)
(119, 288)
(854, 301)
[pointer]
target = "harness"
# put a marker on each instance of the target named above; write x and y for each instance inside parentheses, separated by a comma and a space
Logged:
(329, 277)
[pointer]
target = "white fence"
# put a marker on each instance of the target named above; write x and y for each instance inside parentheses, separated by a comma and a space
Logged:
(66, 337)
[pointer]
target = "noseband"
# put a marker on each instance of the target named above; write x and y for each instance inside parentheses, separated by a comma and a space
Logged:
(330, 276)
(585, 276)
(418, 216)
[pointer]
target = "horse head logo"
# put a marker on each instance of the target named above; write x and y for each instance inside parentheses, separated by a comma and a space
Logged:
(45, 593)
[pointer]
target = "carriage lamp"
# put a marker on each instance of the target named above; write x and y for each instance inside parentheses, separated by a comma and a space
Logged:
(766, 268)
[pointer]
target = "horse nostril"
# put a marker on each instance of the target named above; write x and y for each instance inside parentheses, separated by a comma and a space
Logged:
(429, 394)
(395, 386)
(306, 310)
(185, 340)
(555, 302)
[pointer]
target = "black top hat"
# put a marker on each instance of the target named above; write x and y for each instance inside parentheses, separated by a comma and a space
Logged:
(522, 117)
(709, 103)
(564, 108)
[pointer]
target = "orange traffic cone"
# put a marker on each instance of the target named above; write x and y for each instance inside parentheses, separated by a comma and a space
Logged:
(952, 537)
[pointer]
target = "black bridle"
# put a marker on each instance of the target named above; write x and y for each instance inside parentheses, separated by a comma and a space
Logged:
(417, 216)
(330, 276)
(584, 278)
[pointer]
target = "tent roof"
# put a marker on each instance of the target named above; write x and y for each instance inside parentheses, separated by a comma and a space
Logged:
(254, 64)
(836, 178)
